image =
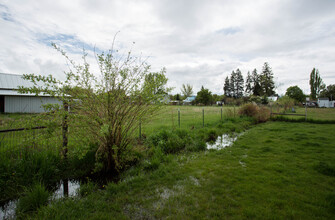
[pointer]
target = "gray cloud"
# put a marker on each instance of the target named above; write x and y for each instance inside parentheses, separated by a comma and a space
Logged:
(200, 42)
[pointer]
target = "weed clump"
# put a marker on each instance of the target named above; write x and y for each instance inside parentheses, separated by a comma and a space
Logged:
(86, 189)
(168, 141)
(33, 199)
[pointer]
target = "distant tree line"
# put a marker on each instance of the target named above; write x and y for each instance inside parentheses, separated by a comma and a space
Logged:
(256, 88)
(256, 84)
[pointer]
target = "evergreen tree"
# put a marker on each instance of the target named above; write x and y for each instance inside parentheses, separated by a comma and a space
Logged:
(316, 83)
(266, 81)
(249, 84)
(226, 87)
(232, 84)
(239, 84)
(256, 87)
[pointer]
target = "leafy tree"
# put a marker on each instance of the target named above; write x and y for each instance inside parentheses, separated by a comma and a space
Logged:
(204, 96)
(328, 92)
(286, 102)
(227, 88)
(108, 104)
(155, 82)
(187, 90)
(296, 93)
(266, 81)
(315, 83)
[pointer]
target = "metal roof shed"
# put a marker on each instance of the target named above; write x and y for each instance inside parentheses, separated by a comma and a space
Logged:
(11, 101)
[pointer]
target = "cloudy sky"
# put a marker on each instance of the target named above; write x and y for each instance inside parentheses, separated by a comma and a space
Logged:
(199, 42)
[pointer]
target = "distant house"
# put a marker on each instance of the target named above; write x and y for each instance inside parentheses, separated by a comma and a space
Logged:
(272, 98)
(164, 99)
(219, 103)
(189, 100)
(11, 101)
(325, 103)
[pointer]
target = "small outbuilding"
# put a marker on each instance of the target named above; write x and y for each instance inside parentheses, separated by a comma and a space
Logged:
(11, 101)
(189, 100)
(325, 103)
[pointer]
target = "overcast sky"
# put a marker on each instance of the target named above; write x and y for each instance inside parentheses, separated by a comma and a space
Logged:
(199, 42)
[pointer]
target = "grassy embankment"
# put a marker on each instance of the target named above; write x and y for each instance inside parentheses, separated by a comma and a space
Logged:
(275, 170)
(34, 155)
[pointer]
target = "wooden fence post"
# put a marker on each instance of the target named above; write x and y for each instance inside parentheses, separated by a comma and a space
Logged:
(203, 117)
(65, 129)
(140, 130)
(179, 117)
(221, 114)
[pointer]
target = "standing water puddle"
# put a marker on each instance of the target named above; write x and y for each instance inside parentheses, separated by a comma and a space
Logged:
(8, 210)
(223, 141)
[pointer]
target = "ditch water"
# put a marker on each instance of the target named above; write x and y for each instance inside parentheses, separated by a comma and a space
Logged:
(65, 188)
(223, 141)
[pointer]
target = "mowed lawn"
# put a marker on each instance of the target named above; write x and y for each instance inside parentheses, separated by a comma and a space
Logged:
(276, 170)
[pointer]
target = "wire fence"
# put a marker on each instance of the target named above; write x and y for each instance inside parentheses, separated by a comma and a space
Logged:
(15, 142)
(187, 117)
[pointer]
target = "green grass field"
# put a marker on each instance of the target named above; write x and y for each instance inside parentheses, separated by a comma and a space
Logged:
(276, 170)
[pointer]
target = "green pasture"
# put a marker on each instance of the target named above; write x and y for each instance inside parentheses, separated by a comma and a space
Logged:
(276, 170)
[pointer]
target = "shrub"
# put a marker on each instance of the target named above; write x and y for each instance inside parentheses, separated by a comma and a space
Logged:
(250, 110)
(199, 145)
(211, 135)
(263, 114)
(260, 114)
(33, 198)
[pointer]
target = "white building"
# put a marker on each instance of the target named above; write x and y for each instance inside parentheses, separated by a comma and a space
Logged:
(11, 101)
(325, 103)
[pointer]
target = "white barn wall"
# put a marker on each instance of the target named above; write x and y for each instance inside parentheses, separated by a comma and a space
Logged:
(27, 104)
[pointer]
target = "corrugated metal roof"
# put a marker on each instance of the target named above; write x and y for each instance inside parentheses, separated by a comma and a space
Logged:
(13, 81)
(16, 93)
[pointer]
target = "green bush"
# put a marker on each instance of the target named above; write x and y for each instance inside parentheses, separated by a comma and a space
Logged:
(32, 199)
(211, 135)
(168, 141)
(198, 145)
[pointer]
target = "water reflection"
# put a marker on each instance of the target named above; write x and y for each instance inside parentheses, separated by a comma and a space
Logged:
(66, 188)
(223, 141)
(8, 210)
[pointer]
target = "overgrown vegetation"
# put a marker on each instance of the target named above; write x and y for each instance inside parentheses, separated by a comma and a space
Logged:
(109, 105)
(287, 172)
(156, 155)
(260, 114)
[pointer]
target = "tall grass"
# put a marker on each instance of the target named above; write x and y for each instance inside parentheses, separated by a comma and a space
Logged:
(33, 198)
